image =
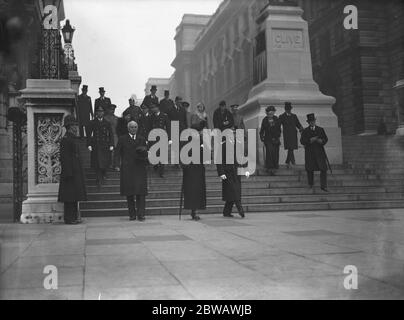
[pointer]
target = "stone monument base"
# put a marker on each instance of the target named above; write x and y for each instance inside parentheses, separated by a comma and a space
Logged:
(44, 209)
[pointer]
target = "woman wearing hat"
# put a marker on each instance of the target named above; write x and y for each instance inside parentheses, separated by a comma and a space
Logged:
(72, 184)
(270, 135)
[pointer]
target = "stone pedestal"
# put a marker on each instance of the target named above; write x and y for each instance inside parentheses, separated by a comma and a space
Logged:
(47, 102)
(286, 74)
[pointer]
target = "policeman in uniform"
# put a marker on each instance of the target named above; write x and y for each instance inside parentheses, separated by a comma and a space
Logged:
(158, 120)
(151, 98)
(85, 111)
(314, 139)
(72, 184)
(101, 143)
(102, 101)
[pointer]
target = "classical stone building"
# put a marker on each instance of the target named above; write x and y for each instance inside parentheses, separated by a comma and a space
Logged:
(221, 57)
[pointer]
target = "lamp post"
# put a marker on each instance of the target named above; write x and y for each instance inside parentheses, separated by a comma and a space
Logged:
(68, 32)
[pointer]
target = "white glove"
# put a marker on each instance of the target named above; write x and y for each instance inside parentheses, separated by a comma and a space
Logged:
(170, 142)
(247, 174)
(111, 148)
(223, 176)
(90, 148)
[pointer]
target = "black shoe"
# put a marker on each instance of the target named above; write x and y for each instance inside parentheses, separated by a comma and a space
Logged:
(141, 219)
(132, 218)
(161, 175)
(242, 215)
(228, 215)
(196, 217)
(325, 190)
(70, 222)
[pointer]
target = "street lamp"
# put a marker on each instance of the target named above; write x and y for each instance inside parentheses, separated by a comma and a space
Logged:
(67, 32)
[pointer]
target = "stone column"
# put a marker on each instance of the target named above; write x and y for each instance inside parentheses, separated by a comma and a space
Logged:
(399, 88)
(286, 75)
(47, 102)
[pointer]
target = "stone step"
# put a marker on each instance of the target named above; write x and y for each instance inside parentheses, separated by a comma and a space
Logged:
(253, 179)
(260, 185)
(169, 194)
(104, 204)
(251, 208)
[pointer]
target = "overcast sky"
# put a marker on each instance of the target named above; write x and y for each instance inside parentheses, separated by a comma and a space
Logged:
(119, 44)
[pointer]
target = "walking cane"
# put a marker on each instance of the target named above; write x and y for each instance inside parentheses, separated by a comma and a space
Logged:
(181, 198)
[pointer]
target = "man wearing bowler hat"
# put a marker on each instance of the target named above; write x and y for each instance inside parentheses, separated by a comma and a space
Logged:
(102, 101)
(314, 139)
(166, 103)
(151, 98)
(84, 110)
(290, 123)
(72, 184)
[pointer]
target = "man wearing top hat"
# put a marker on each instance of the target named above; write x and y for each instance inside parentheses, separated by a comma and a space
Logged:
(102, 101)
(290, 122)
(72, 184)
(314, 139)
(132, 152)
(151, 98)
(166, 103)
(84, 110)
(100, 142)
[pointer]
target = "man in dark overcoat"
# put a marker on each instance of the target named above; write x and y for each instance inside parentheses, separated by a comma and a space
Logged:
(132, 151)
(177, 112)
(84, 111)
(101, 143)
(223, 118)
(194, 186)
(166, 103)
(102, 101)
(314, 139)
(150, 98)
(231, 184)
(290, 122)
(270, 133)
(72, 186)
(158, 120)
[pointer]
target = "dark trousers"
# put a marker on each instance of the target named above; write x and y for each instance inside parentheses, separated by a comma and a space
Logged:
(70, 211)
(160, 169)
(323, 178)
(290, 157)
(100, 175)
(137, 207)
(228, 207)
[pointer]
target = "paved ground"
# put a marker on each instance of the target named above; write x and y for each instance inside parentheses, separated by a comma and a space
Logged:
(265, 256)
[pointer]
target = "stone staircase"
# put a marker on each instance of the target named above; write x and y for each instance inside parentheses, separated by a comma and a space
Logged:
(358, 184)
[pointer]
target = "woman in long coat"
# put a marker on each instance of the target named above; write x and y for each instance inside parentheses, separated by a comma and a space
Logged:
(194, 187)
(72, 184)
(270, 135)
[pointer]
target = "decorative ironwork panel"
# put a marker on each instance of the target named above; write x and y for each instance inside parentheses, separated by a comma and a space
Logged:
(48, 133)
(50, 54)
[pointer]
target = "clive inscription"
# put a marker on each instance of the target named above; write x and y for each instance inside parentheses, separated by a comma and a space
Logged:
(287, 39)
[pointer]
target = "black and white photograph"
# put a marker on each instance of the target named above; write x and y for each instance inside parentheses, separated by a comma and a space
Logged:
(181, 151)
